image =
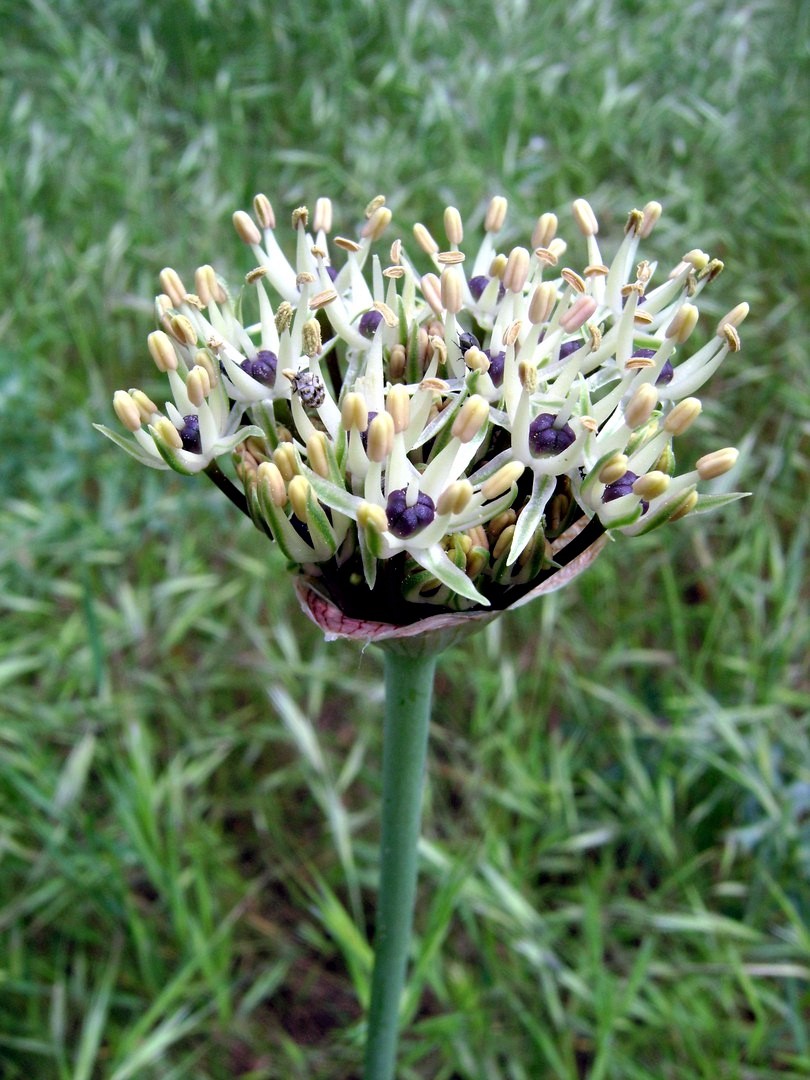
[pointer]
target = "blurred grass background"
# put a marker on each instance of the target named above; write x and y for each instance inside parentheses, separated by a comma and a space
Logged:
(617, 824)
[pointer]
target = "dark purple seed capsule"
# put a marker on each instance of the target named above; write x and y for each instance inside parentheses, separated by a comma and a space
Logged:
(404, 520)
(496, 363)
(190, 434)
(477, 286)
(544, 438)
(262, 367)
(332, 272)
(369, 322)
(569, 347)
(621, 487)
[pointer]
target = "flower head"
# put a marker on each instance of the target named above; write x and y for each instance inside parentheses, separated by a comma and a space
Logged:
(424, 442)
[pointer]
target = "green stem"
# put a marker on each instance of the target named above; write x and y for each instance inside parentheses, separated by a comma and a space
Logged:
(408, 692)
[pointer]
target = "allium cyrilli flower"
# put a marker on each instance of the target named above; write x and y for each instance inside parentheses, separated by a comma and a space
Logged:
(431, 437)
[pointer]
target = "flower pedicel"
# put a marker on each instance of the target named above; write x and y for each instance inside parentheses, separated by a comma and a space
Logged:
(426, 448)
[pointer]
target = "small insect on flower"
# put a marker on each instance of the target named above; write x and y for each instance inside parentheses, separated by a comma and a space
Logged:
(466, 341)
(309, 387)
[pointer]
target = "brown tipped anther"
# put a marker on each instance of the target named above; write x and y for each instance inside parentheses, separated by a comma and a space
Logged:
(389, 317)
(396, 252)
(374, 205)
(596, 270)
(572, 278)
(512, 332)
(284, 316)
(545, 256)
(254, 275)
(635, 221)
(527, 373)
(731, 337)
(300, 217)
(322, 299)
(346, 244)
(712, 269)
(311, 337)
(451, 258)
(395, 272)
(594, 334)
(305, 278)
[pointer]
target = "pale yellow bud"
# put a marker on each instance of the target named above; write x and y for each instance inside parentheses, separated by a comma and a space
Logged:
(502, 480)
(424, 239)
(717, 463)
(146, 407)
(284, 458)
(614, 469)
(453, 226)
(544, 231)
(372, 516)
(398, 404)
(354, 412)
(270, 478)
(380, 437)
(542, 303)
(246, 228)
(517, 269)
(162, 351)
(686, 507)
(168, 432)
(322, 218)
(264, 211)
(651, 485)
(171, 284)
(683, 323)
(682, 416)
(585, 217)
(471, 417)
(198, 386)
(455, 497)
(640, 407)
(496, 214)
(451, 291)
(126, 410)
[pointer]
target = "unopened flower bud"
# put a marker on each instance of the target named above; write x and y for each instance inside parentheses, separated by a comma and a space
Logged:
(517, 269)
(453, 226)
(496, 214)
(585, 217)
(502, 480)
(544, 231)
(162, 351)
(682, 416)
(651, 485)
(168, 432)
(683, 323)
(717, 463)
(380, 437)
(270, 478)
(471, 417)
(613, 470)
(455, 497)
(640, 406)
(126, 410)
(246, 228)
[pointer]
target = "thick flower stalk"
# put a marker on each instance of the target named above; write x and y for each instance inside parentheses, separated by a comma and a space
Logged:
(440, 442)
